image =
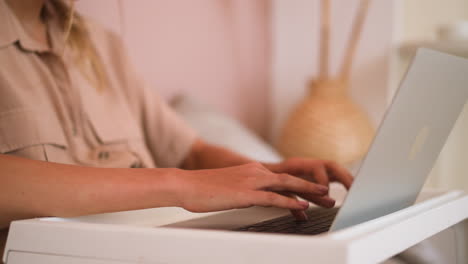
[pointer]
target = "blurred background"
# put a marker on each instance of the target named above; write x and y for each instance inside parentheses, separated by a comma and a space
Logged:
(250, 61)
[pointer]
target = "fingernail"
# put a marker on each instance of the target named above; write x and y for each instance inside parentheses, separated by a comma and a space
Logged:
(323, 189)
(304, 204)
(331, 202)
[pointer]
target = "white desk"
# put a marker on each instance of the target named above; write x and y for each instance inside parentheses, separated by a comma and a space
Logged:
(133, 237)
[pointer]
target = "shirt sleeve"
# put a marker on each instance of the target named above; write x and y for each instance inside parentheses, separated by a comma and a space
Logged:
(168, 138)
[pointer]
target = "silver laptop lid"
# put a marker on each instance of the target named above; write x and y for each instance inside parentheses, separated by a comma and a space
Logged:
(409, 139)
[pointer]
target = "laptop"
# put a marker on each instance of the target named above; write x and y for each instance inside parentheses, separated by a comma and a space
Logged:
(407, 144)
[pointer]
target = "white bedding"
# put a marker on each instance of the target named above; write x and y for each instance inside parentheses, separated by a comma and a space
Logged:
(220, 129)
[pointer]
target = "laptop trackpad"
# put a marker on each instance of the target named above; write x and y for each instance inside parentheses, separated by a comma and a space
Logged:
(232, 219)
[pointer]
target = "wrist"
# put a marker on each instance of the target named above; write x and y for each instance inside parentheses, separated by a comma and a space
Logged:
(155, 187)
(174, 186)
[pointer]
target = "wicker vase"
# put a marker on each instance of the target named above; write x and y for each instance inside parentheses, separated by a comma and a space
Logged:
(327, 124)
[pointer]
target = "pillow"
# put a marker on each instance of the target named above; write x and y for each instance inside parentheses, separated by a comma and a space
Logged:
(217, 128)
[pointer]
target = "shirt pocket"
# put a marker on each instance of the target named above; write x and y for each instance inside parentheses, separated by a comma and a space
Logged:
(121, 139)
(32, 134)
(115, 125)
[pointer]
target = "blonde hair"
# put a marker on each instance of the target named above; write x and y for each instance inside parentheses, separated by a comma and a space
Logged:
(77, 38)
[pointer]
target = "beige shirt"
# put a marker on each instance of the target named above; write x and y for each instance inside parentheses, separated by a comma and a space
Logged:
(49, 111)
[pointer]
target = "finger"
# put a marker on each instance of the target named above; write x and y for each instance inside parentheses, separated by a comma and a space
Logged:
(320, 175)
(339, 174)
(286, 182)
(323, 201)
(299, 215)
(308, 169)
(264, 198)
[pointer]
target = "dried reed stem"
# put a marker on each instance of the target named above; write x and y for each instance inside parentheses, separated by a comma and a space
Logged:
(324, 39)
(355, 36)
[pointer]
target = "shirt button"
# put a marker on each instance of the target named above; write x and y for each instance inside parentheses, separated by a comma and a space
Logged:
(135, 165)
(103, 155)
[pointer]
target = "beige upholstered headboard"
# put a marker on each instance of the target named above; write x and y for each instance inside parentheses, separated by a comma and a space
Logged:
(217, 51)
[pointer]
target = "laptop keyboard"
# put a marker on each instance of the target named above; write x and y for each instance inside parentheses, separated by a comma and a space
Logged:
(319, 221)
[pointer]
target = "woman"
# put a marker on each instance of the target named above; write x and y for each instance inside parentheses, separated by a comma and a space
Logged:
(75, 122)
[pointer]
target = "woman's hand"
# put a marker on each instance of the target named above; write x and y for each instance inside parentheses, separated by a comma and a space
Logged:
(216, 182)
(244, 186)
(318, 171)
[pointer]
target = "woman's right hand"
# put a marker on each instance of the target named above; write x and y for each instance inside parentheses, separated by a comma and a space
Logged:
(241, 187)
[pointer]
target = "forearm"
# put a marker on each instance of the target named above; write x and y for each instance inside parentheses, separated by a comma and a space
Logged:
(34, 188)
(208, 156)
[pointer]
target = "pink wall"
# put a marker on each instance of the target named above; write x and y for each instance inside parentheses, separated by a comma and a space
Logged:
(217, 51)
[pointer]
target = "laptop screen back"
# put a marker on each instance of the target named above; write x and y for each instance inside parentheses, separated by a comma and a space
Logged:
(409, 140)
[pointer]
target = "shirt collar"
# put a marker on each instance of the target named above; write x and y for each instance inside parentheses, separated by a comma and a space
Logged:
(11, 31)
